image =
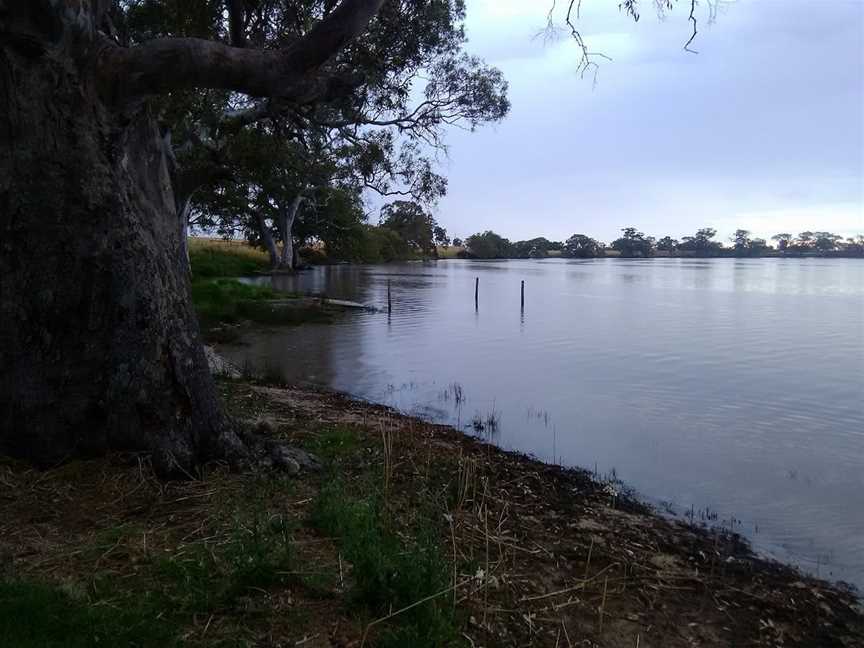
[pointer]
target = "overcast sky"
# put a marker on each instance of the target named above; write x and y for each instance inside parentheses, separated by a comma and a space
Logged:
(763, 129)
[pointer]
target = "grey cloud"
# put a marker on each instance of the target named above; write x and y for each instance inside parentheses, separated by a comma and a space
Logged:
(766, 120)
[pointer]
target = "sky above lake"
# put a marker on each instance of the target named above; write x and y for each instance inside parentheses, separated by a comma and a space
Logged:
(763, 129)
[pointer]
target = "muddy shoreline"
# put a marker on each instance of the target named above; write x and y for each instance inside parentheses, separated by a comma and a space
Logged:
(525, 553)
(580, 526)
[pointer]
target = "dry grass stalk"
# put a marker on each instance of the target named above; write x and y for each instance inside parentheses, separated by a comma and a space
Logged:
(603, 603)
(387, 441)
(486, 574)
(455, 559)
(405, 609)
(566, 634)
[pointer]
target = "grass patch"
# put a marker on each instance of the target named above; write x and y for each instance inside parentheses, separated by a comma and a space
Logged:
(226, 301)
(388, 572)
(202, 578)
(222, 300)
(333, 443)
(212, 258)
(169, 589)
(36, 615)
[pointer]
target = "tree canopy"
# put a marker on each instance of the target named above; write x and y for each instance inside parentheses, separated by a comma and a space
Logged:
(580, 246)
(368, 122)
(417, 228)
(633, 243)
(488, 245)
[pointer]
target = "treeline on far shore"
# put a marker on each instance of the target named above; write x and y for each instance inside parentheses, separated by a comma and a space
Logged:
(635, 244)
(335, 230)
(406, 232)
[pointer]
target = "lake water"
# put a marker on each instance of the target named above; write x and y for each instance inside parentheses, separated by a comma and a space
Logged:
(735, 387)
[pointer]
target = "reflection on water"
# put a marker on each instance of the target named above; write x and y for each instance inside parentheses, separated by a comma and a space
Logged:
(735, 386)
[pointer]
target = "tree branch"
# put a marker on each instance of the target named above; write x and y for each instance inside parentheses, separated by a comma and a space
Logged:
(167, 64)
(692, 19)
(325, 88)
(237, 20)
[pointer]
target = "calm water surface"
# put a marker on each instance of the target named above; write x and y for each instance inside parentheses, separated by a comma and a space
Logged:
(732, 386)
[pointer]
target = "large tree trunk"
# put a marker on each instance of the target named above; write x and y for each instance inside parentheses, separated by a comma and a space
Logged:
(287, 261)
(286, 228)
(269, 243)
(99, 345)
(296, 263)
(183, 210)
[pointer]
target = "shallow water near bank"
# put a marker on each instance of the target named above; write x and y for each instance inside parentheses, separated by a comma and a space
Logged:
(730, 388)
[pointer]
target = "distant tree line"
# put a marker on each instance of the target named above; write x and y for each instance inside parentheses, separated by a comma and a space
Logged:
(337, 230)
(635, 244)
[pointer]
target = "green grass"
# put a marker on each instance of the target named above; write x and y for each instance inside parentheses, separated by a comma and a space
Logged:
(226, 301)
(333, 443)
(167, 592)
(35, 615)
(388, 572)
(204, 579)
(221, 300)
(214, 258)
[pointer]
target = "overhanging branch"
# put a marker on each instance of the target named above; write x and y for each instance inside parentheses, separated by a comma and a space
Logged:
(168, 64)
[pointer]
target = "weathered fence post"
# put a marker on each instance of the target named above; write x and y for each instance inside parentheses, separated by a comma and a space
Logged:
(523, 295)
(476, 290)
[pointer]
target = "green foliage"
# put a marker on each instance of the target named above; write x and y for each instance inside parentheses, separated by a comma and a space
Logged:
(488, 245)
(580, 246)
(822, 243)
(744, 246)
(701, 243)
(371, 244)
(389, 573)
(633, 244)
(417, 228)
(35, 615)
(536, 248)
(667, 244)
(826, 241)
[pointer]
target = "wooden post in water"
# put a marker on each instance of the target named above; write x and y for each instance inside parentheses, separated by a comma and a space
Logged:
(389, 300)
(476, 290)
(523, 295)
